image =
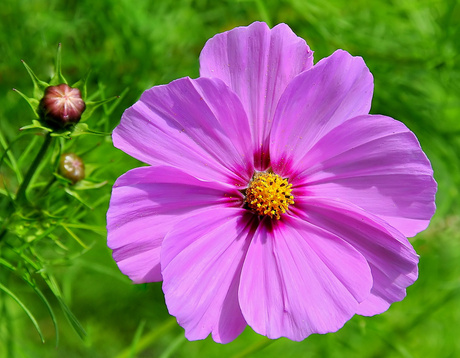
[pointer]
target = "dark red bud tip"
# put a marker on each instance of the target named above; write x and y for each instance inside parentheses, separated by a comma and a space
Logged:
(61, 105)
(71, 167)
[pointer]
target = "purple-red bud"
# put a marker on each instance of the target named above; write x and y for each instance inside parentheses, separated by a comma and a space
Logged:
(61, 106)
(71, 167)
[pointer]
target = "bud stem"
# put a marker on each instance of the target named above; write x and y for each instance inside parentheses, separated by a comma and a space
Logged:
(21, 194)
(45, 189)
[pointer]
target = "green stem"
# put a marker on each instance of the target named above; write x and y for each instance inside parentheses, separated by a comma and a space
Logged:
(7, 153)
(4, 226)
(45, 189)
(21, 195)
(8, 326)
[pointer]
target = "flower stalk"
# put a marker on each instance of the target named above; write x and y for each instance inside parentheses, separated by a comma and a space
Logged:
(21, 194)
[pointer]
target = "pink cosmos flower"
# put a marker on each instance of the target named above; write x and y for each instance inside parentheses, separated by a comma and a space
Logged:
(272, 197)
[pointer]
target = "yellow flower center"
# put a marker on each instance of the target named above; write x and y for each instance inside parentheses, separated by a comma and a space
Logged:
(269, 194)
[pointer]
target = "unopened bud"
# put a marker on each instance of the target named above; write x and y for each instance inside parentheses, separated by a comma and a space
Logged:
(71, 167)
(61, 106)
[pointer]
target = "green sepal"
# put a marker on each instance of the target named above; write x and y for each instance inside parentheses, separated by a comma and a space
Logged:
(77, 130)
(87, 184)
(81, 85)
(92, 105)
(64, 134)
(58, 78)
(39, 85)
(82, 128)
(33, 102)
(36, 125)
(62, 180)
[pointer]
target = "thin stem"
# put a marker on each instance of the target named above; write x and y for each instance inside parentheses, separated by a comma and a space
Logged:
(8, 326)
(46, 188)
(21, 195)
(4, 226)
(7, 153)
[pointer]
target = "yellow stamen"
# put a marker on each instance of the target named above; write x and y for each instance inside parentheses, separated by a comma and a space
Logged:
(269, 194)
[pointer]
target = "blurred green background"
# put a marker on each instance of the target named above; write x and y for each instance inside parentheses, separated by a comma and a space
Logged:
(412, 48)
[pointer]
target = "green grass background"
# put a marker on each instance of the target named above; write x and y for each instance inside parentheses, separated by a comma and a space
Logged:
(411, 47)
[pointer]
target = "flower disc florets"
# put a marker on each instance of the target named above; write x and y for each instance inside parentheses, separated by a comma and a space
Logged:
(269, 194)
(61, 105)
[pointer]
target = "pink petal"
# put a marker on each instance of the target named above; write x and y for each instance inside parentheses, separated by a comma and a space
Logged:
(337, 88)
(298, 279)
(376, 163)
(148, 202)
(392, 259)
(197, 125)
(257, 64)
(201, 264)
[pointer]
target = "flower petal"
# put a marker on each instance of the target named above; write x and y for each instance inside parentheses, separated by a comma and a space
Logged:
(337, 88)
(146, 203)
(376, 163)
(197, 125)
(257, 64)
(390, 255)
(201, 264)
(298, 279)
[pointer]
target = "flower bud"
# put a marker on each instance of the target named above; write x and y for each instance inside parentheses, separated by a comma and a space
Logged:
(71, 167)
(61, 106)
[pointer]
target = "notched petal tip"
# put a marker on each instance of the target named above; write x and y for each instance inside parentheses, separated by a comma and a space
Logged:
(201, 262)
(311, 282)
(197, 125)
(316, 101)
(390, 256)
(257, 63)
